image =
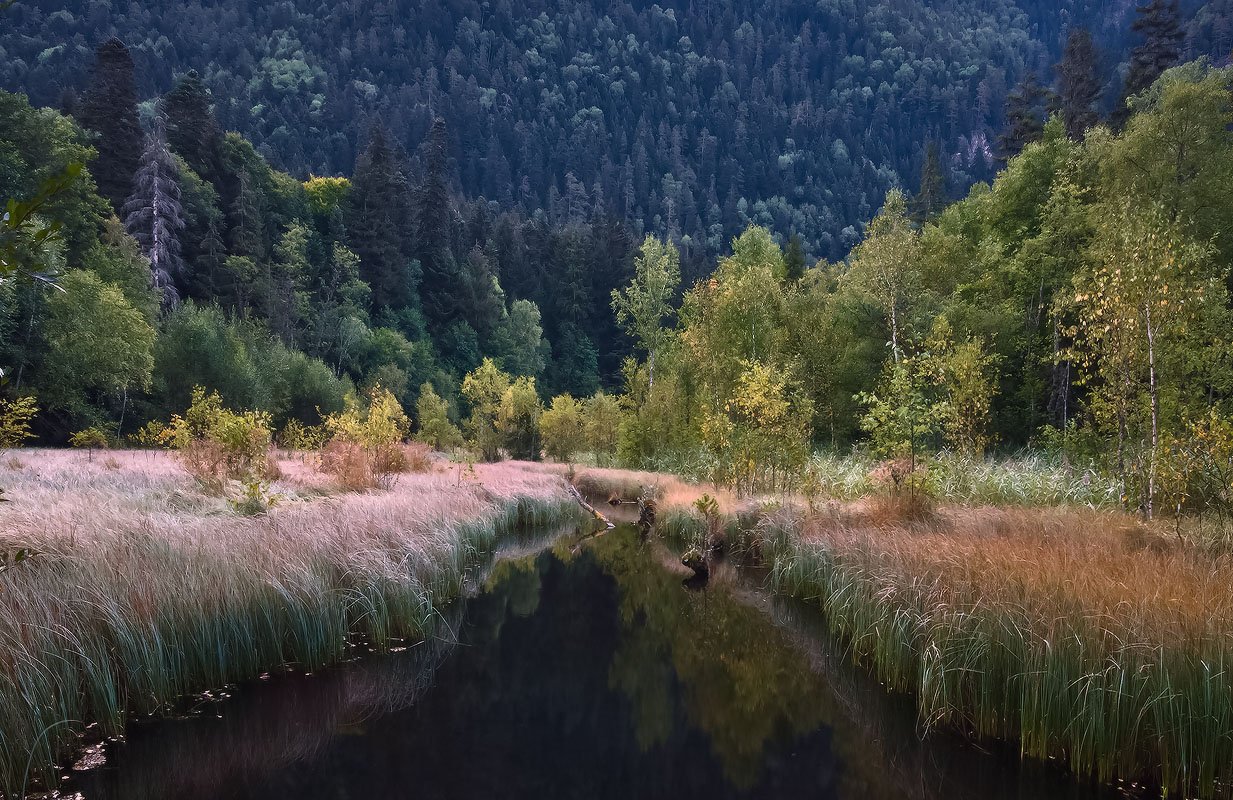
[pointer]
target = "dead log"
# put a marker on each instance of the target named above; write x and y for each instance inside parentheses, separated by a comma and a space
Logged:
(588, 507)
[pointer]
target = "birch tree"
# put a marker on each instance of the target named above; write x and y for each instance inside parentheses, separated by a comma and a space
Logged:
(645, 305)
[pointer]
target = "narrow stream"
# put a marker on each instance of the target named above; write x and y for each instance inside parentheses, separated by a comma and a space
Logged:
(575, 672)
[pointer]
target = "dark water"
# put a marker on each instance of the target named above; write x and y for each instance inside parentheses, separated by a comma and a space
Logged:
(579, 672)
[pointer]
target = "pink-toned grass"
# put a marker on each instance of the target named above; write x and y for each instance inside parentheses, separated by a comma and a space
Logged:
(144, 589)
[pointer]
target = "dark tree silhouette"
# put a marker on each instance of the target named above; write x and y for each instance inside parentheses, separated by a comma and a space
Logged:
(378, 221)
(1078, 83)
(110, 110)
(1026, 109)
(1159, 25)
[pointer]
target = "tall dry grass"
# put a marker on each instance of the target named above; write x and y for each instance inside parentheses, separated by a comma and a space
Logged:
(144, 590)
(1080, 635)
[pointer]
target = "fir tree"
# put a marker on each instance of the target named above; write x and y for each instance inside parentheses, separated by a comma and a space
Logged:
(794, 259)
(154, 218)
(434, 214)
(1159, 23)
(1078, 83)
(1026, 109)
(931, 198)
(110, 110)
(377, 218)
(192, 132)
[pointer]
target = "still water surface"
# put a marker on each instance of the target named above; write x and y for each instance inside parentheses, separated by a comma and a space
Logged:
(576, 672)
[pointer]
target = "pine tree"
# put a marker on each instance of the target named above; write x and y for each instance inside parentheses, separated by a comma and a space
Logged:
(377, 219)
(931, 198)
(1026, 108)
(434, 214)
(154, 218)
(110, 110)
(192, 132)
(1078, 83)
(1159, 23)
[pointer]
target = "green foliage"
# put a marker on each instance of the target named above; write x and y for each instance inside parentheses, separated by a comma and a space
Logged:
(760, 436)
(91, 438)
(563, 428)
(97, 344)
(217, 445)
(485, 388)
(297, 436)
(602, 420)
(643, 307)
(365, 448)
(518, 418)
(15, 418)
(435, 427)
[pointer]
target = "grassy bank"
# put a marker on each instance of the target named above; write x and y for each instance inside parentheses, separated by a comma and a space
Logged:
(1081, 634)
(144, 591)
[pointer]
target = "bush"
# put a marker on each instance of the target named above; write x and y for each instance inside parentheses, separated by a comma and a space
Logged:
(518, 419)
(15, 418)
(153, 434)
(217, 445)
(90, 439)
(436, 430)
(563, 428)
(602, 416)
(365, 449)
(295, 435)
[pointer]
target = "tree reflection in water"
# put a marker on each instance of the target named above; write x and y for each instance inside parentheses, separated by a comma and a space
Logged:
(578, 672)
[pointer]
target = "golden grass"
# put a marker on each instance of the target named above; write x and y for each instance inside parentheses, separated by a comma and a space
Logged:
(144, 589)
(1081, 634)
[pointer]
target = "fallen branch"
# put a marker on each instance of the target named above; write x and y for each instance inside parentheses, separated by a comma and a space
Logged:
(588, 507)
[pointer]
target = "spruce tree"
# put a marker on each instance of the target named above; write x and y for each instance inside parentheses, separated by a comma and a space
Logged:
(1159, 23)
(110, 110)
(1026, 108)
(192, 132)
(434, 219)
(1078, 83)
(931, 198)
(794, 259)
(377, 221)
(153, 216)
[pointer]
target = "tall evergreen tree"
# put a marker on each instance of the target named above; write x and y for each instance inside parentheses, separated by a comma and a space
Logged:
(1026, 110)
(1078, 83)
(1159, 23)
(110, 110)
(192, 132)
(153, 216)
(377, 220)
(794, 259)
(931, 198)
(434, 213)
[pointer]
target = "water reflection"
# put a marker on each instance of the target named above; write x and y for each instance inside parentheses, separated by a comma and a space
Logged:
(578, 672)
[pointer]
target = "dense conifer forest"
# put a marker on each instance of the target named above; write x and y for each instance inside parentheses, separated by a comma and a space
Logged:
(286, 207)
(686, 119)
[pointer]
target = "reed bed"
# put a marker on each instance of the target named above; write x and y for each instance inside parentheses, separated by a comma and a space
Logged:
(1082, 636)
(1076, 631)
(1026, 479)
(144, 591)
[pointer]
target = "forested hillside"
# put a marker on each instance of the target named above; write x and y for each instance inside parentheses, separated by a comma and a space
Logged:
(690, 120)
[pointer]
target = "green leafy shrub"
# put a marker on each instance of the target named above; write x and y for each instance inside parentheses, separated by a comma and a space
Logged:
(365, 448)
(90, 439)
(15, 418)
(217, 445)
(563, 428)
